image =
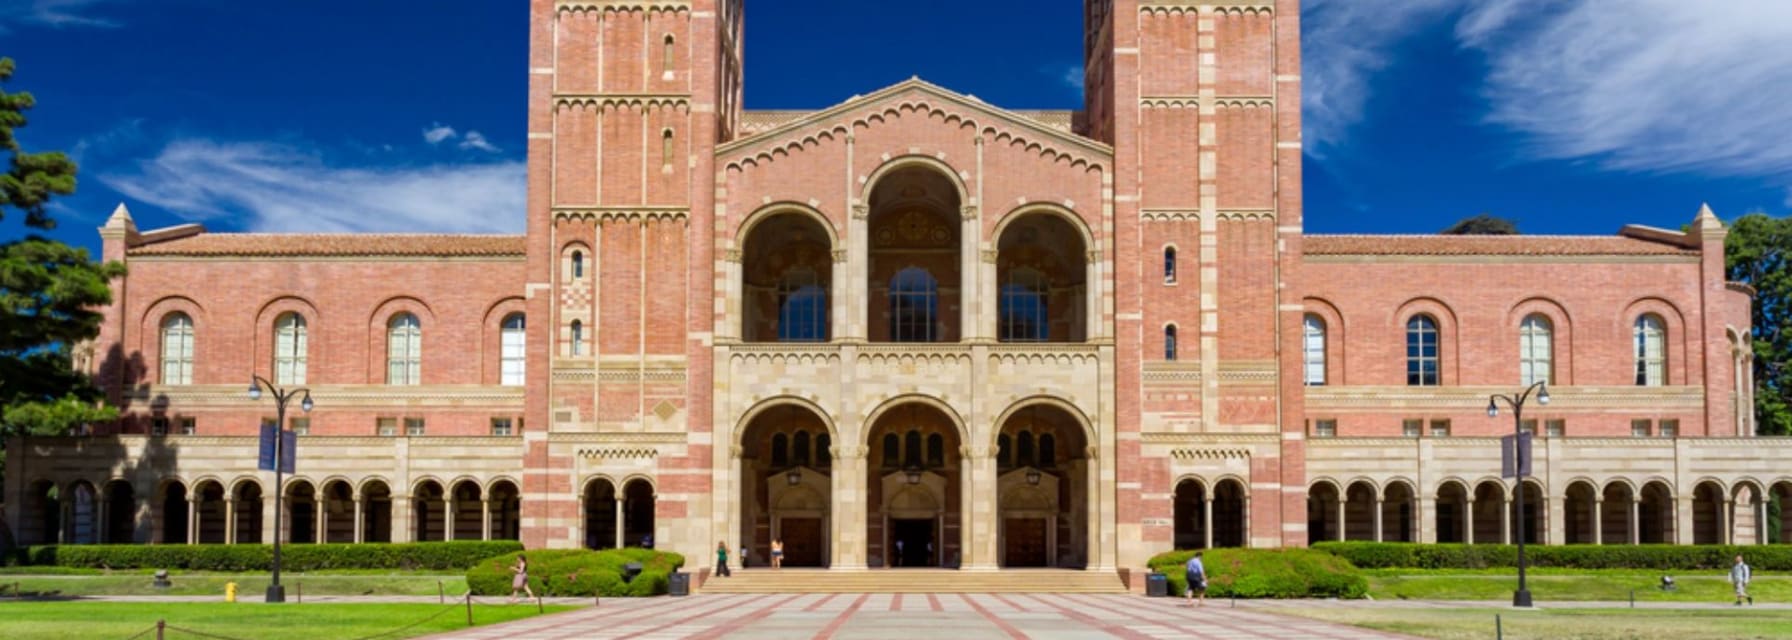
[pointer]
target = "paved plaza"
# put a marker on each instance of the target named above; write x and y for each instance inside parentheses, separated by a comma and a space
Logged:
(951, 616)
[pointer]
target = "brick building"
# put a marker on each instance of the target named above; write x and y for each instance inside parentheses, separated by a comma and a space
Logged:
(915, 329)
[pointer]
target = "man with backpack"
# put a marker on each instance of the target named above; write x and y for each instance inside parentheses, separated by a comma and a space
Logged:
(1739, 577)
(1196, 574)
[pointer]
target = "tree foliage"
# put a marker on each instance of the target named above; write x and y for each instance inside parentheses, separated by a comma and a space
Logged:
(1758, 252)
(1484, 224)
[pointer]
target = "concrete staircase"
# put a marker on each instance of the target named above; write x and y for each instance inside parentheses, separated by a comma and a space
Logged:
(915, 581)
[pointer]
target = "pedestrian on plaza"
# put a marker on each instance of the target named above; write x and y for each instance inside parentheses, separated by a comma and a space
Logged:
(1196, 575)
(777, 553)
(521, 580)
(1740, 574)
(743, 557)
(900, 560)
(722, 559)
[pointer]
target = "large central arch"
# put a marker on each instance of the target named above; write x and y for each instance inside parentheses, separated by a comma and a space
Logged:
(916, 277)
(915, 477)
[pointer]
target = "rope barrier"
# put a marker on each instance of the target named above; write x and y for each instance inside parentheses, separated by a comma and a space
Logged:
(203, 634)
(145, 632)
(432, 616)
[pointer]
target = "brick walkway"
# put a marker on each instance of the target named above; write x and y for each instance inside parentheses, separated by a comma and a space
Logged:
(954, 616)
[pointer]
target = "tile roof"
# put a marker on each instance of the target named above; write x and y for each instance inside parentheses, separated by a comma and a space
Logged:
(333, 245)
(1520, 245)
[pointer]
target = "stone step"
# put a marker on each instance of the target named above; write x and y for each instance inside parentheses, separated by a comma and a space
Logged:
(915, 581)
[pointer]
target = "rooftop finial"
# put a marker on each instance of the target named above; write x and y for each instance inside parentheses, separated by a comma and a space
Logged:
(1706, 219)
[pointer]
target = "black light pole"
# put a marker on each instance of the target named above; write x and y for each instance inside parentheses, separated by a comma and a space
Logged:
(277, 593)
(1521, 597)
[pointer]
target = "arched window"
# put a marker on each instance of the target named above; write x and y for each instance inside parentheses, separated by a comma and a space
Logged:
(578, 265)
(1169, 264)
(1170, 342)
(914, 305)
(1651, 352)
(802, 307)
(1313, 350)
(936, 450)
(404, 350)
(911, 449)
(578, 338)
(1421, 352)
(1048, 450)
(799, 448)
(177, 349)
(1004, 456)
(1536, 351)
(666, 147)
(1023, 449)
(1023, 313)
(892, 450)
(667, 61)
(512, 358)
(780, 450)
(823, 456)
(289, 349)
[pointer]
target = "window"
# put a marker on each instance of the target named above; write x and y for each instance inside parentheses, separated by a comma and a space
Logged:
(512, 359)
(189, 425)
(1421, 352)
(413, 426)
(1528, 426)
(1169, 265)
(386, 426)
(892, 450)
(667, 61)
(1639, 428)
(1536, 351)
(1023, 449)
(300, 426)
(666, 148)
(1668, 428)
(799, 449)
(1651, 360)
(502, 426)
(578, 265)
(1004, 452)
(404, 350)
(158, 427)
(823, 457)
(802, 307)
(1048, 450)
(1023, 313)
(1313, 350)
(1440, 428)
(780, 450)
(1411, 427)
(911, 449)
(289, 349)
(578, 338)
(936, 450)
(1325, 428)
(1555, 428)
(1170, 343)
(177, 349)
(914, 303)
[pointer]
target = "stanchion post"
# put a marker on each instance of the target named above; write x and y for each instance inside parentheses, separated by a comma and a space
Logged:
(538, 607)
(161, 626)
(1499, 630)
(301, 589)
(469, 608)
(441, 593)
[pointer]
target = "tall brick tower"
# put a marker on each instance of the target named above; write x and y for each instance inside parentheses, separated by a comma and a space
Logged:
(1201, 102)
(627, 101)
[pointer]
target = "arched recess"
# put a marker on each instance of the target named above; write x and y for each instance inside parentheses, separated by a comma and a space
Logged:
(1618, 500)
(1779, 512)
(1323, 499)
(1045, 479)
(1399, 512)
(638, 512)
(914, 507)
(1561, 337)
(83, 514)
(1042, 277)
(494, 350)
(787, 291)
(429, 512)
(172, 502)
(1533, 522)
(1336, 336)
(465, 499)
(786, 488)
(1655, 514)
(121, 513)
(1708, 512)
(1192, 519)
(1231, 513)
(1489, 520)
(504, 501)
(1746, 511)
(376, 511)
(1359, 511)
(916, 275)
(302, 510)
(1452, 513)
(338, 511)
(248, 497)
(602, 514)
(1677, 343)
(266, 334)
(1448, 345)
(208, 500)
(1577, 512)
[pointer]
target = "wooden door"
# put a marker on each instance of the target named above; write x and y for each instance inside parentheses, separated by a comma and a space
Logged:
(1025, 542)
(802, 541)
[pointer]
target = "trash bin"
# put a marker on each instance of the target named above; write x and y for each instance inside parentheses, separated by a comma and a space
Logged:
(1157, 585)
(679, 583)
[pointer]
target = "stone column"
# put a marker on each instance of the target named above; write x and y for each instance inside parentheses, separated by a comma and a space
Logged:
(103, 534)
(620, 521)
(485, 519)
(1727, 522)
(360, 519)
(1683, 518)
(1339, 535)
(402, 529)
(847, 507)
(984, 554)
(320, 530)
(1556, 525)
(230, 521)
(1468, 521)
(449, 505)
(193, 519)
(1207, 522)
(268, 530)
(1636, 531)
(1599, 520)
(1427, 516)
(858, 268)
(1506, 522)
(1377, 519)
(1761, 522)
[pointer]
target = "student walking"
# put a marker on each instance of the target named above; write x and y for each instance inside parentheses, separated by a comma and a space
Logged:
(743, 557)
(722, 559)
(777, 553)
(1739, 577)
(1196, 574)
(521, 580)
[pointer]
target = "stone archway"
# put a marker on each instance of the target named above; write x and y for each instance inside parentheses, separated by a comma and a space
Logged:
(1399, 513)
(429, 512)
(1041, 280)
(1322, 512)
(603, 514)
(1043, 488)
(1655, 514)
(1708, 513)
(248, 499)
(376, 512)
(1231, 513)
(1193, 518)
(1359, 511)
(915, 274)
(915, 474)
(1490, 521)
(786, 466)
(1578, 519)
(1617, 511)
(1452, 512)
(787, 274)
(121, 513)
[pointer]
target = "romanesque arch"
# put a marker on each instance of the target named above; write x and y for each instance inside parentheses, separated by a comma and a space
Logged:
(1041, 276)
(915, 479)
(787, 276)
(602, 513)
(1043, 486)
(786, 487)
(915, 277)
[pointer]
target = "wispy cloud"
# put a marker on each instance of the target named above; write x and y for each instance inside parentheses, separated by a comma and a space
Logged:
(1344, 44)
(54, 13)
(270, 187)
(437, 133)
(476, 140)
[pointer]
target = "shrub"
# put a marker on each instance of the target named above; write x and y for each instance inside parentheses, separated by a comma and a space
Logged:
(440, 556)
(1670, 557)
(578, 572)
(1266, 573)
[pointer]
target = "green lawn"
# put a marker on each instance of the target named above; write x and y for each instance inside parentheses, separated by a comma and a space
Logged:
(71, 620)
(139, 583)
(1566, 624)
(1568, 585)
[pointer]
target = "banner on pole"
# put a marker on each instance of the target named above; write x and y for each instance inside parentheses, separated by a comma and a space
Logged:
(1515, 455)
(264, 460)
(288, 448)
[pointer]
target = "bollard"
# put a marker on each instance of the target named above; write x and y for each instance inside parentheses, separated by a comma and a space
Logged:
(161, 625)
(538, 608)
(1633, 598)
(301, 590)
(441, 593)
(230, 592)
(597, 600)
(469, 608)
(1499, 630)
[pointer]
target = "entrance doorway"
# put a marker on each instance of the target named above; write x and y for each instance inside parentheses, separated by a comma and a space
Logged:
(802, 541)
(912, 543)
(1025, 541)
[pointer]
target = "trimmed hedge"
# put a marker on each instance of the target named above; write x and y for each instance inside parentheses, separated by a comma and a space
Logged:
(1266, 573)
(1672, 557)
(578, 572)
(440, 556)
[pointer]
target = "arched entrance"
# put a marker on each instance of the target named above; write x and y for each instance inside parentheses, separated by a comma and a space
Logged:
(603, 514)
(83, 514)
(914, 516)
(1533, 521)
(42, 514)
(429, 521)
(247, 496)
(1322, 512)
(914, 280)
(1231, 513)
(506, 507)
(121, 512)
(174, 513)
(787, 273)
(1707, 513)
(338, 513)
(1491, 524)
(1656, 514)
(1042, 489)
(1452, 512)
(1617, 508)
(1193, 518)
(786, 488)
(465, 521)
(1779, 513)
(1577, 513)
(1041, 280)
(208, 500)
(1359, 511)
(301, 512)
(1399, 513)
(637, 513)
(376, 511)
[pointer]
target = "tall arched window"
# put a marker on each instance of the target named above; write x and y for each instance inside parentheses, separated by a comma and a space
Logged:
(823, 457)
(666, 148)
(780, 450)
(1169, 264)
(177, 349)
(936, 450)
(1023, 313)
(578, 338)
(1421, 352)
(1313, 350)
(578, 264)
(1023, 449)
(1651, 351)
(802, 307)
(1004, 452)
(1048, 450)
(1170, 342)
(512, 357)
(404, 350)
(911, 449)
(799, 448)
(1536, 351)
(892, 451)
(914, 306)
(667, 61)
(289, 349)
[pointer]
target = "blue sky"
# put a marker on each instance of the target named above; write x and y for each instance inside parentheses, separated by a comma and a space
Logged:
(373, 115)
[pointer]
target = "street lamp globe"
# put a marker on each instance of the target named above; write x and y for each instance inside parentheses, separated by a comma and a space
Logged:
(306, 403)
(254, 390)
(1493, 410)
(1543, 395)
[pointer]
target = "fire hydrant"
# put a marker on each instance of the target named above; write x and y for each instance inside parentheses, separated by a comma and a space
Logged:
(230, 592)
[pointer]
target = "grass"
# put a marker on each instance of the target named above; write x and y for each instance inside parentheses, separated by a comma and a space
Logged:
(1567, 585)
(139, 583)
(1567, 624)
(71, 620)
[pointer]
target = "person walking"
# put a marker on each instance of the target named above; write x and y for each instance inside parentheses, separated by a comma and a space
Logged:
(722, 560)
(743, 557)
(1739, 577)
(520, 581)
(1196, 575)
(777, 553)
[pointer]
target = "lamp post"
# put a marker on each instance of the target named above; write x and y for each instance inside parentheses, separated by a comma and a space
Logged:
(1521, 597)
(277, 593)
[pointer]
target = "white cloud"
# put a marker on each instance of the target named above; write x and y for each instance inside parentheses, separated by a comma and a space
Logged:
(268, 187)
(53, 13)
(1073, 77)
(476, 140)
(1344, 43)
(438, 132)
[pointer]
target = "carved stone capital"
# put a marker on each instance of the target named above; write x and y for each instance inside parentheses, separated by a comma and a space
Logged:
(861, 212)
(731, 255)
(989, 256)
(969, 211)
(839, 256)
